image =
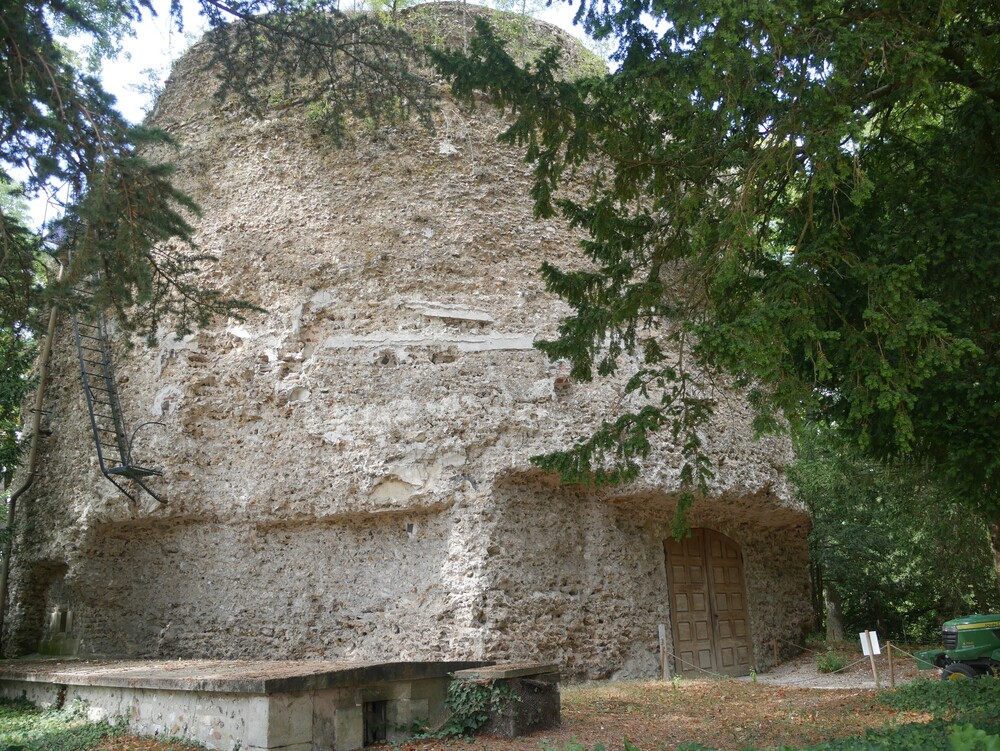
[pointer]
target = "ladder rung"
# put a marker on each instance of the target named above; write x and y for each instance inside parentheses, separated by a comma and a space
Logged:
(93, 362)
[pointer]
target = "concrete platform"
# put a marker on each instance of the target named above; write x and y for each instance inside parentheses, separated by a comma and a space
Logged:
(247, 705)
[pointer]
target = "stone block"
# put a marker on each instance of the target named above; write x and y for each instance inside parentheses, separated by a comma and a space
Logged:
(290, 719)
(403, 717)
(349, 727)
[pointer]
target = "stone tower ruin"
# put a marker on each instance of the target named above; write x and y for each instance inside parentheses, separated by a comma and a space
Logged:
(348, 472)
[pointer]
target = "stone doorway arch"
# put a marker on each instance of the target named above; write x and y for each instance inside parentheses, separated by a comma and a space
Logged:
(708, 605)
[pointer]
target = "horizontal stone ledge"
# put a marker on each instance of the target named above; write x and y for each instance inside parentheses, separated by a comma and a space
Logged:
(471, 343)
(449, 312)
(225, 676)
(501, 672)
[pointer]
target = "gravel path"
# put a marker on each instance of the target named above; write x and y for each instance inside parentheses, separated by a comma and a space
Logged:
(801, 671)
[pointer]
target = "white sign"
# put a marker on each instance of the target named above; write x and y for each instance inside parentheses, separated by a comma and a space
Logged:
(865, 636)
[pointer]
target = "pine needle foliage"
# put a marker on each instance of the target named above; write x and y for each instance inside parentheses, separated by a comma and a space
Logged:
(60, 129)
(342, 66)
(125, 234)
(801, 194)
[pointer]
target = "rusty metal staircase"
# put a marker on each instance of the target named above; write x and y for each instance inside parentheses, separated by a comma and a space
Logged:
(114, 444)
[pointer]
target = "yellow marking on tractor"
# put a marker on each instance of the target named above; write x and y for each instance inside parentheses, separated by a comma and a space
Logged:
(968, 626)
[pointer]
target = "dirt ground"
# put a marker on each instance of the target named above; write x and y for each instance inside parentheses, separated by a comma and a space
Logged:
(793, 704)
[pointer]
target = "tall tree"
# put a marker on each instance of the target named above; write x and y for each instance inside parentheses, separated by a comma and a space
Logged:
(889, 546)
(17, 348)
(802, 193)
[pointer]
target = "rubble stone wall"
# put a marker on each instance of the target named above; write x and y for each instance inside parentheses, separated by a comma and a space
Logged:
(589, 587)
(348, 472)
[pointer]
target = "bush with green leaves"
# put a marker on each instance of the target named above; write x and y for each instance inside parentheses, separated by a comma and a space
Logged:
(884, 541)
(473, 703)
(830, 662)
(975, 701)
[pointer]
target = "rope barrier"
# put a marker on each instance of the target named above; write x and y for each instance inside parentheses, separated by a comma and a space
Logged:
(696, 667)
(811, 680)
(801, 647)
(788, 683)
(900, 649)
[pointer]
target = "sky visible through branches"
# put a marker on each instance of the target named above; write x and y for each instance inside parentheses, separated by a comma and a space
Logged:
(145, 61)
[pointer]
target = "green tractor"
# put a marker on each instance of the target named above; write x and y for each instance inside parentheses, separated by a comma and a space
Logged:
(971, 648)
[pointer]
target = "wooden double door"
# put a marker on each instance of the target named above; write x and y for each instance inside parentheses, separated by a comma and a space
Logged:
(708, 613)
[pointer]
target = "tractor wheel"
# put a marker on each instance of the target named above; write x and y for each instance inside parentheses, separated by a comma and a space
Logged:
(958, 671)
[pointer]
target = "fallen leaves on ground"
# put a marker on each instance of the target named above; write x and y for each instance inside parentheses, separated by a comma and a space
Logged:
(657, 716)
(723, 714)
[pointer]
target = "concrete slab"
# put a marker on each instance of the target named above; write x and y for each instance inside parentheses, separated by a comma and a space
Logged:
(232, 676)
(228, 704)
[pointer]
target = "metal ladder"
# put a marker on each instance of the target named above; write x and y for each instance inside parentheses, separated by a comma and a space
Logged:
(114, 444)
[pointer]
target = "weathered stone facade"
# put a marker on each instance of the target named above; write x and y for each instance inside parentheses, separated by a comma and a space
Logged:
(348, 473)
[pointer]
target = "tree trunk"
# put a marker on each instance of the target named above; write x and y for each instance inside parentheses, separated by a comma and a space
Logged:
(816, 571)
(35, 422)
(834, 616)
(994, 527)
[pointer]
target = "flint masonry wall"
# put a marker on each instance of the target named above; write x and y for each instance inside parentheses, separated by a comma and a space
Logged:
(348, 473)
(591, 572)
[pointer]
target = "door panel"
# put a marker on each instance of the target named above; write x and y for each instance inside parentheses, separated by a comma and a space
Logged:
(708, 604)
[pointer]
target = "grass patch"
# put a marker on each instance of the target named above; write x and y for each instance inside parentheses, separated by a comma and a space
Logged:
(936, 735)
(966, 717)
(25, 727)
(28, 728)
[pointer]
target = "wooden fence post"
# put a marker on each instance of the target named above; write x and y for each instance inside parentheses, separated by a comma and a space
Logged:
(663, 651)
(892, 671)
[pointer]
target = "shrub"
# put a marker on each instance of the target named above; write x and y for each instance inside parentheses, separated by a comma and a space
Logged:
(971, 701)
(830, 662)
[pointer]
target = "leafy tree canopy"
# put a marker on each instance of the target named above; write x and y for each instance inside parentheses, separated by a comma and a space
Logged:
(896, 549)
(802, 193)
